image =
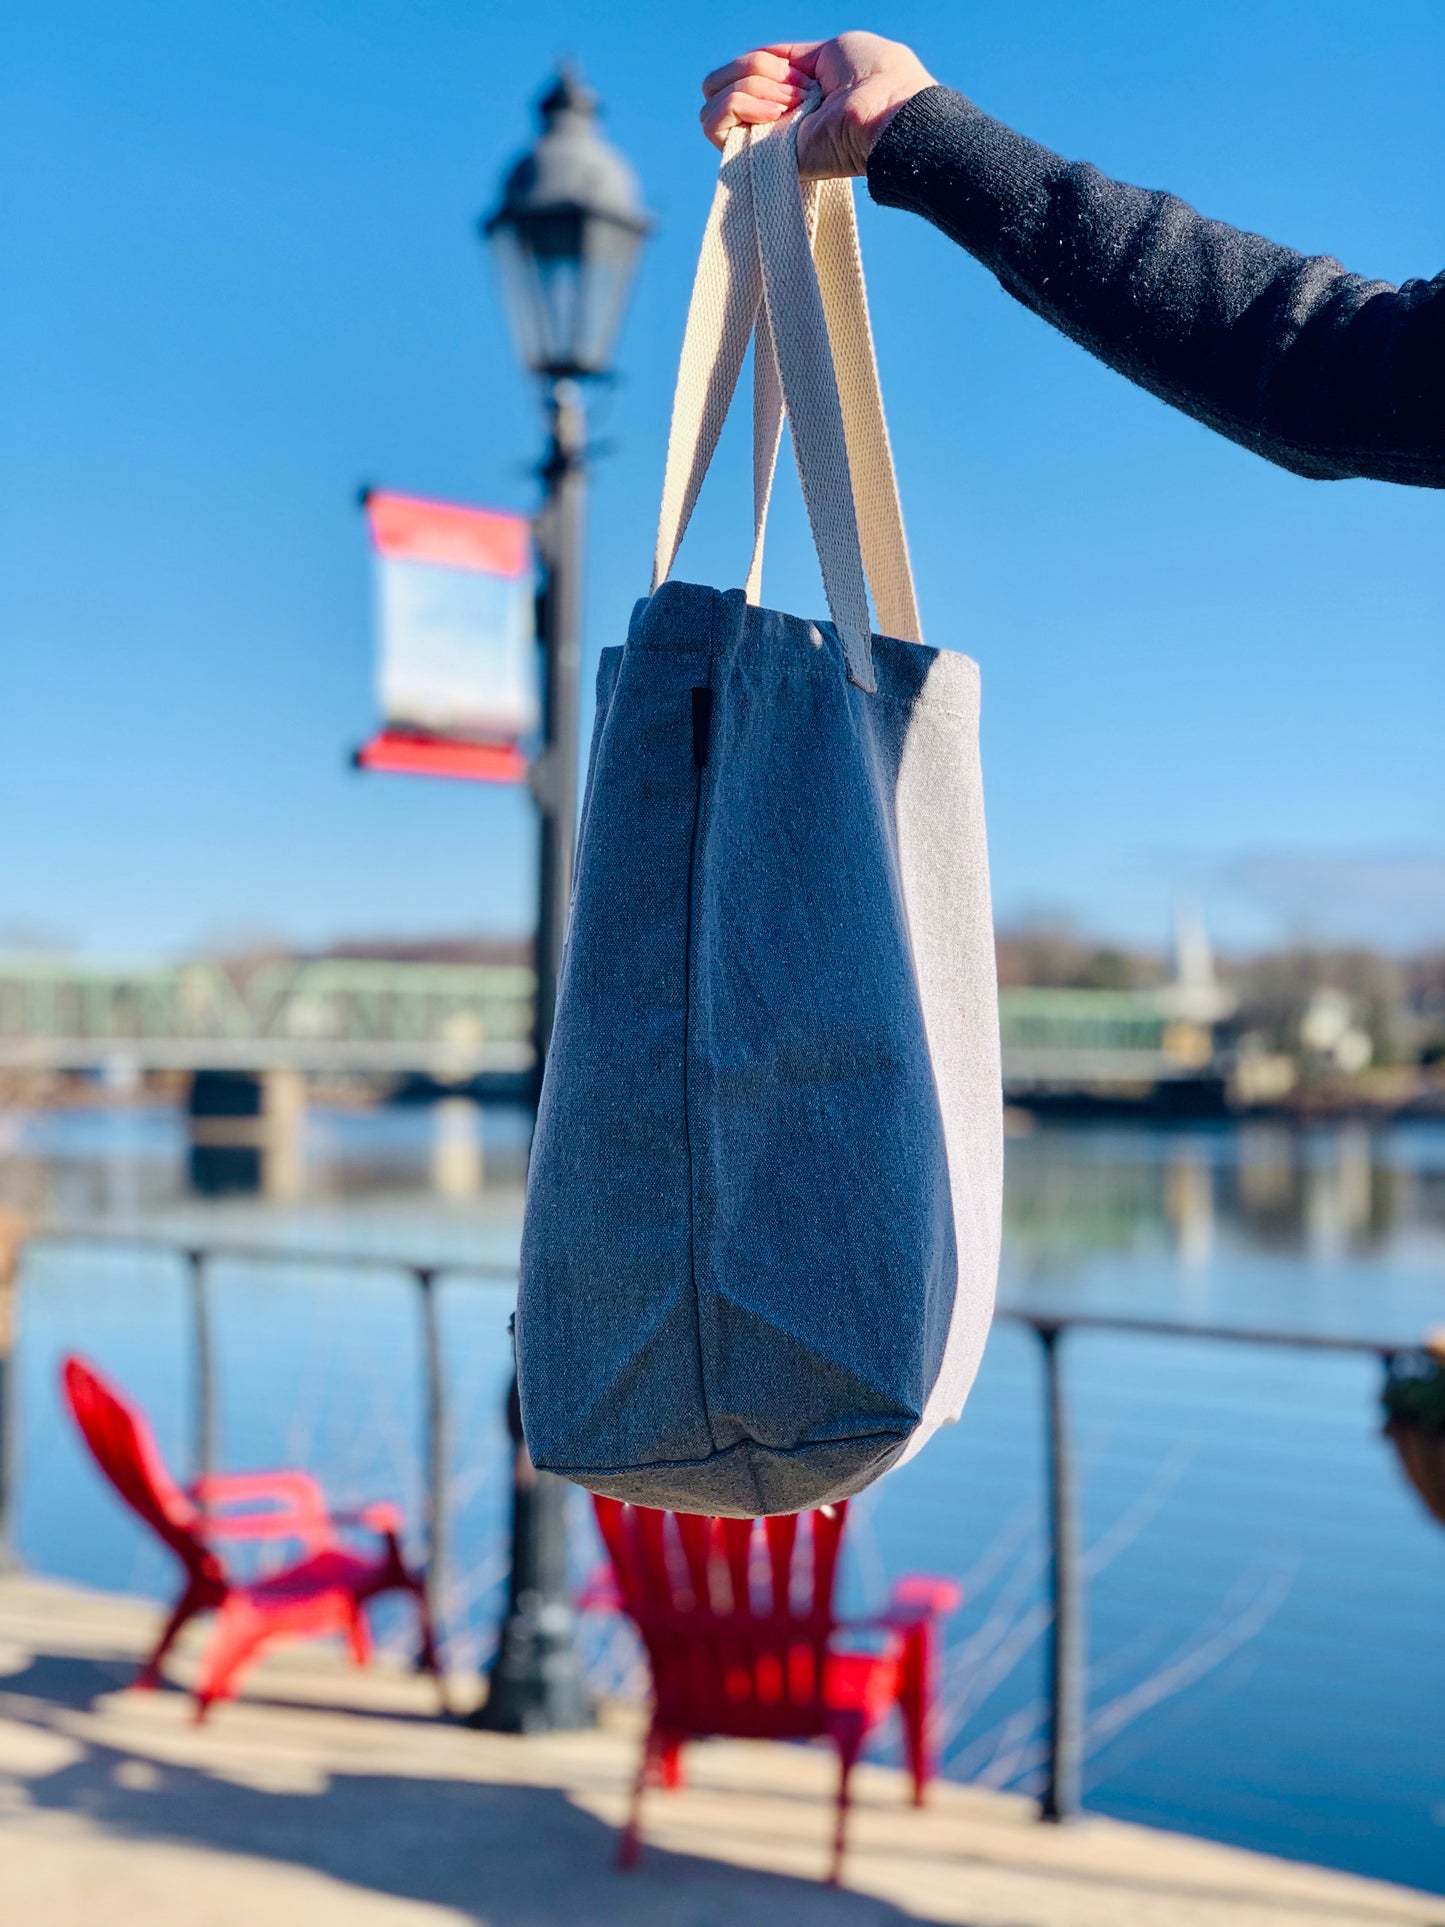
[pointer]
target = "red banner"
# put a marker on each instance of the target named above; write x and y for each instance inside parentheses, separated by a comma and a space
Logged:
(410, 527)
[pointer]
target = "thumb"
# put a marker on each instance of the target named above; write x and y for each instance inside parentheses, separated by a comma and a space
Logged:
(821, 155)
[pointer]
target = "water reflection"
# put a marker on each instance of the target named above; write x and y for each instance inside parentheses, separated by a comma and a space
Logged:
(1071, 1190)
(1073, 1193)
(1339, 1229)
(119, 1162)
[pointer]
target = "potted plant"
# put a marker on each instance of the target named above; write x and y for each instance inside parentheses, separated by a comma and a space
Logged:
(1414, 1400)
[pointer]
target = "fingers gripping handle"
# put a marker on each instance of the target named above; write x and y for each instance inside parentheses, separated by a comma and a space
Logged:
(756, 272)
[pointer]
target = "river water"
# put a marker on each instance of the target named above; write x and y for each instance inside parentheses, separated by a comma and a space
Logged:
(1265, 1595)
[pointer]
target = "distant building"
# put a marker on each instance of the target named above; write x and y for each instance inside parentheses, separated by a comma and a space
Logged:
(1072, 1048)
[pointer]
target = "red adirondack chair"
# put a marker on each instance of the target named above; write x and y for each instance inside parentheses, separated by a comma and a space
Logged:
(743, 1641)
(323, 1592)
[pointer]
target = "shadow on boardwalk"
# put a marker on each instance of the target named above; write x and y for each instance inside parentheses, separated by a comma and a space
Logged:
(337, 1799)
(505, 1854)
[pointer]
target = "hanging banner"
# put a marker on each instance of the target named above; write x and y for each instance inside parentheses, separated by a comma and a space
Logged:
(456, 653)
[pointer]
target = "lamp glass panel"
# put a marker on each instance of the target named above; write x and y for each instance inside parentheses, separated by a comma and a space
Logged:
(520, 295)
(565, 276)
(611, 250)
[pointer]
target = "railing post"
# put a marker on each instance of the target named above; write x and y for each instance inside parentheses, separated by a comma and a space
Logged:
(12, 1238)
(435, 1409)
(203, 1443)
(1061, 1796)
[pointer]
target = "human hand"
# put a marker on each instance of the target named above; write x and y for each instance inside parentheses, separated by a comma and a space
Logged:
(865, 80)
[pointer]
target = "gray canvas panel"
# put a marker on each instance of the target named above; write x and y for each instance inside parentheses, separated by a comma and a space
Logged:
(609, 1157)
(806, 1020)
(741, 1258)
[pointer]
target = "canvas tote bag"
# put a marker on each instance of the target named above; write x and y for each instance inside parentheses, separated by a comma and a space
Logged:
(763, 1206)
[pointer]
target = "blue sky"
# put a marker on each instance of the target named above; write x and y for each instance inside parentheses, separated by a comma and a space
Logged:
(243, 280)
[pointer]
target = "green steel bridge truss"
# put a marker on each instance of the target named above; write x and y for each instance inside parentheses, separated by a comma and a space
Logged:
(323, 1014)
(450, 1020)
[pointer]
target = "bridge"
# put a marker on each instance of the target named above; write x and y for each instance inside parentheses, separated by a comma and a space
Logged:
(459, 1022)
(1104, 1041)
(451, 1021)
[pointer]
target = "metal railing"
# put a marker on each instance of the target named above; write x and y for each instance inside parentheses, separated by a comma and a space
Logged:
(1065, 1586)
(1061, 1799)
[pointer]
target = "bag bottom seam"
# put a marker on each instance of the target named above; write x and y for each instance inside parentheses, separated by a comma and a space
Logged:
(783, 1452)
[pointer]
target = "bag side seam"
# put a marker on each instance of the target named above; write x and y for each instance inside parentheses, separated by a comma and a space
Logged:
(800, 1450)
(688, 1013)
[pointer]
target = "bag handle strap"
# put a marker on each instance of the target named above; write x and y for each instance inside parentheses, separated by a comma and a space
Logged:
(721, 314)
(870, 454)
(757, 275)
(833, 233)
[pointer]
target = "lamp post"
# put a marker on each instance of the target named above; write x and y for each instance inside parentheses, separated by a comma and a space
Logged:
(566, 238)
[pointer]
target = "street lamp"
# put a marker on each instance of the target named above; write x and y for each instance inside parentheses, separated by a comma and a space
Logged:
(566, 238)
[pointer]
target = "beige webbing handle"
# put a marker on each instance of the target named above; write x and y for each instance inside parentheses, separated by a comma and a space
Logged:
(726, 291)
(832, 224)
(870, 455)
(813, 356)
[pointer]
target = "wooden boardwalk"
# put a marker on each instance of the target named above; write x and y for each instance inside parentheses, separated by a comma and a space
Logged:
(331, 1797)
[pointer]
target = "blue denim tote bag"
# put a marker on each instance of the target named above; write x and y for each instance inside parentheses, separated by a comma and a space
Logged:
(763, 1208)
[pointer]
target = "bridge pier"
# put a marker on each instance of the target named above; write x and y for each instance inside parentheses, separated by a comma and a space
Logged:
(247, 1132)
(458, 1166)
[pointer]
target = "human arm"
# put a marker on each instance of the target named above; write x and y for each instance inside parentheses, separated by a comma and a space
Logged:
(1320, 371)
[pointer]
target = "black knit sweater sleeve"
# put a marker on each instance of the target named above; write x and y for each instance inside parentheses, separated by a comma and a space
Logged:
(1321, 371)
